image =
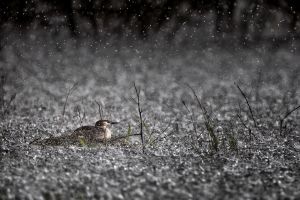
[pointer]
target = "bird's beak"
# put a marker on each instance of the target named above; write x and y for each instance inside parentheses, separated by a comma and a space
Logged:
(114, 122)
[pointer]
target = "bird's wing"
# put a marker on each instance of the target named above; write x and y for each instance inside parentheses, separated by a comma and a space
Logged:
(84, 128)
(88, 134)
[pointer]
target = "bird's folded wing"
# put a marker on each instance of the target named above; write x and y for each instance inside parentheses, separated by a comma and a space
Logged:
(86, 134)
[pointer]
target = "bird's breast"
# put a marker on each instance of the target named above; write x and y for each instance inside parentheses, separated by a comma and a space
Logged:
(104, 134)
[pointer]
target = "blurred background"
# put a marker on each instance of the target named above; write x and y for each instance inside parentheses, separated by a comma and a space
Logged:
(245, 22)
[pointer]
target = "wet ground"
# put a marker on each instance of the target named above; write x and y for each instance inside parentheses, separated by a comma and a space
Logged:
(224, 152)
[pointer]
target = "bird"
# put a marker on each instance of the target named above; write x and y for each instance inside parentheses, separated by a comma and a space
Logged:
(83, 135)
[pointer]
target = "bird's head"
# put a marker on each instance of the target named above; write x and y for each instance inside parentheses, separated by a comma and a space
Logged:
(104, 123)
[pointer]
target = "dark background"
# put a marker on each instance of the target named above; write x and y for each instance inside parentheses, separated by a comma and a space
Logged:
(249, 20)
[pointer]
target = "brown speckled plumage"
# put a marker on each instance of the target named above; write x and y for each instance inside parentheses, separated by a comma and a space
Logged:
(85, 134)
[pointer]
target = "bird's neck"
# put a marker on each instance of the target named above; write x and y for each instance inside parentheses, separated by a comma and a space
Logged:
(107, 133)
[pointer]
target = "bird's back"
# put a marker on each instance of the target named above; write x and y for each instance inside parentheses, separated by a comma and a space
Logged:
(84, 134)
